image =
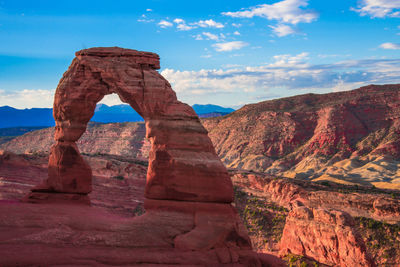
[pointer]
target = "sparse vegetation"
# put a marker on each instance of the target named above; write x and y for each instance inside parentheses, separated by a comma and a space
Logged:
(264, 220)
(139, 210)
(300, 261)
(382, 240)
(119, 177)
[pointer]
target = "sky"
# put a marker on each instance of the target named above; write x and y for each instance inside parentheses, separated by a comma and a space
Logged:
(225, 52)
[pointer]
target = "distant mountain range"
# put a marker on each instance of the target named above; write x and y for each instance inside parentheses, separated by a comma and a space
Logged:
(43, 117)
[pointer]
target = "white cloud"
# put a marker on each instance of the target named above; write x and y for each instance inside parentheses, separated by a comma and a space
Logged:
(198, 37)
(282, 30)
(378, 8)
(184, 27)
(178, 21)
(390, 46)
(149, 10)
(111, 100)
(209, 24)
(165, 24)
(286, 11)
(214, 37)
(39, 98)
(237, 25)
(285, 75)
(229, 46)
(290, 61)
(27, 98)
(145, 20)
(236, 33)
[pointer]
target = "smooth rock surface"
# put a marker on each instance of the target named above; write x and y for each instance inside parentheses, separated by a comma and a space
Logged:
(77, 235)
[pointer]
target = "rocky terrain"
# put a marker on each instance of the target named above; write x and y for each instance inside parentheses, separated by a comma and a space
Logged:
(288, 216)
(314, 167)
(347, 137)
(268, 206)
(122, 139)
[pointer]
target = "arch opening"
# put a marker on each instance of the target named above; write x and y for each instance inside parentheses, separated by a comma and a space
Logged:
(115, 147)
(111, 109)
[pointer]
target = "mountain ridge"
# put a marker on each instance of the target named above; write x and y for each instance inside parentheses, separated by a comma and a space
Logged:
(32, 117)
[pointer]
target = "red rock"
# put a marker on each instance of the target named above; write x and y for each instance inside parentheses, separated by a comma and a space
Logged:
(326, 236)
(386, 207)
(291, 193)
(183, 164)
(68, 172)
(215, 225)
(188, 189)
(302, 136)
(77, 235)
(275, 136)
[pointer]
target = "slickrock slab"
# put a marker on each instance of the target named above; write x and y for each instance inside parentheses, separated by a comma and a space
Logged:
(56, 234)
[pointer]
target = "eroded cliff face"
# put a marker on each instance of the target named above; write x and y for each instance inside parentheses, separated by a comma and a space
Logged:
(357, 201)
(337, 225)
(347, 137)
(328, 236)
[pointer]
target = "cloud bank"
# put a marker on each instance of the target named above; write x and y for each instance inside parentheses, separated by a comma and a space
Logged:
(378, 8)
(229, 46)
(390, 46)
(285, 74)
(286, 13)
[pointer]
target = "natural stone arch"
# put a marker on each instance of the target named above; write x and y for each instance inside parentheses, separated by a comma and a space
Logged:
(183, 164)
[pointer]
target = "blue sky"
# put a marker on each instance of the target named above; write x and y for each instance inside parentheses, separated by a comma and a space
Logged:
(226, 52)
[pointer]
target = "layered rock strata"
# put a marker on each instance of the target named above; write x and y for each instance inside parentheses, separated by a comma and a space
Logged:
(183, 164)
(288, 194)
(347, 137)
(327, 236)
(186, 181)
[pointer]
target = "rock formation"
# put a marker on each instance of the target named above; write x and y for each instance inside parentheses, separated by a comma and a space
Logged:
(188, 190)
(320, 224)
(327, 236)
(297, 137)
(183, 164)
(362, 202)
(347, 137)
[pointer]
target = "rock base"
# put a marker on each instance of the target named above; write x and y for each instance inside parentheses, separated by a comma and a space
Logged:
(191, 234)
(56, 198)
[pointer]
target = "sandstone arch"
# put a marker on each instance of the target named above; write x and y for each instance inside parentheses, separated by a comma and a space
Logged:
(189, 219)
(183, 164)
